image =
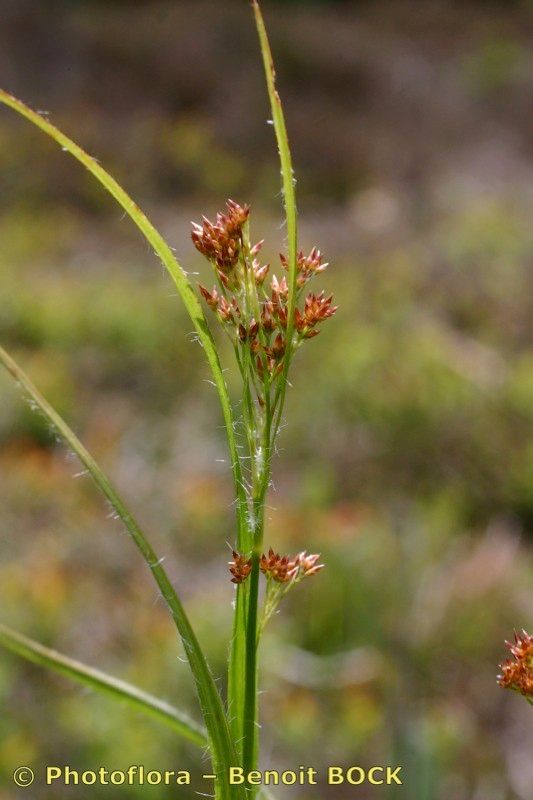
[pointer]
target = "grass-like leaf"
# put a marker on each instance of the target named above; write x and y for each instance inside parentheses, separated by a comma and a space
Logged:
(289, 196)
(248, 700)
(106, 684)
(179, 277)
(221, 746)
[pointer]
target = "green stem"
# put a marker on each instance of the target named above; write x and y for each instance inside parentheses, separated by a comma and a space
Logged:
(250, 730)
(236, 669)
(274, 594)
(250, 748)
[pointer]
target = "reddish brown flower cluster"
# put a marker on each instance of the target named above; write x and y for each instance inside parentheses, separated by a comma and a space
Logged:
(306, 266)
(317, 308)
(240, 567)
(256, 317)
(221, 241)
(287, 568)
(280, 568)
(517, 672)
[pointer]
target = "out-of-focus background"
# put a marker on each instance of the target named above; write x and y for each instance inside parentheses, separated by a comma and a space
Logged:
(407, 457)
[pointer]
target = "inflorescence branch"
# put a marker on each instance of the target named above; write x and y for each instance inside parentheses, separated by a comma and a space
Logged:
(253, 311)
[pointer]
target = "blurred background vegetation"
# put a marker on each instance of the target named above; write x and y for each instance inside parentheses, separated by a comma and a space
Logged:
(407, 458)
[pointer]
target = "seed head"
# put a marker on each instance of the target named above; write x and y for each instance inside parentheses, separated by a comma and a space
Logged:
(280, 288)
(211, 298)
(260, 272)
(279, 568)
(240, 567)
(278, 348)
(280, 293)
(317, 308)
(517, 672)
(267, 316)
(225, 310)
(306, 266)
(254, 312)
(220, 241)
(307, 564)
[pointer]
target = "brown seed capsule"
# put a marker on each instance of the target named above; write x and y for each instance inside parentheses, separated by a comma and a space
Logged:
(267, 316)
(223, 278)
(225, 310)
(280, 289)
(279, 345)
(260, 272)
(211, 298)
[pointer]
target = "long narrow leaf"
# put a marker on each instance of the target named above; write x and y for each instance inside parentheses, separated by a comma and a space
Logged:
(96, 679)
(179, 277)
(249, 692)
(221, 746)
(289, 194)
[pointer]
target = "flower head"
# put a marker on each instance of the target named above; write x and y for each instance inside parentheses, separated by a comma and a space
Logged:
(220, 241)
(306, 266)
(307, 564)
(317, 308)
(517, 672)
(280, 568)
(240, 567)
(289, 568)
(253, 311)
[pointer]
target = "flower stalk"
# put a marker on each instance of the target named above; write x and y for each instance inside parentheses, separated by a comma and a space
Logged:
(254, 310)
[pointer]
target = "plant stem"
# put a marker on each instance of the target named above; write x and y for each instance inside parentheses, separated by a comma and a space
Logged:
(250, 748)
